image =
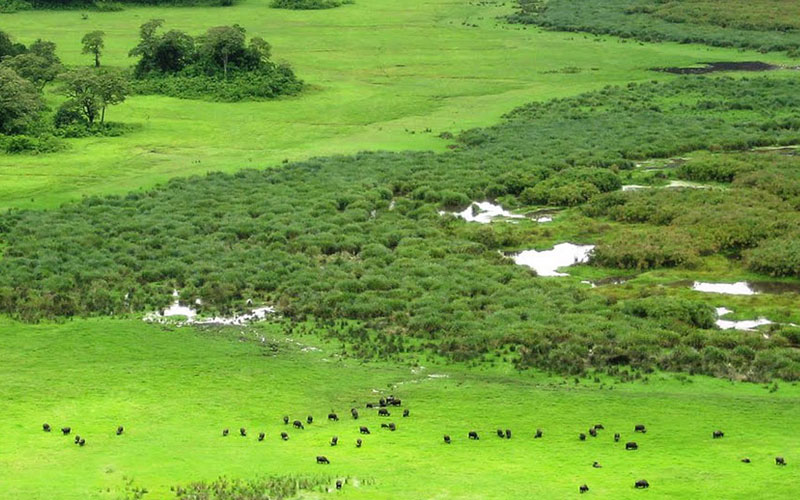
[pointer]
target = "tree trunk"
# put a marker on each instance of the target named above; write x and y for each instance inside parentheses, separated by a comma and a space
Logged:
(103, 115)
(96, 59)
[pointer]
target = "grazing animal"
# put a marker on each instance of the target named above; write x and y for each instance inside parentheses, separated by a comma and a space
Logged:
(583, 488)
(243, 432)
(81, 442)
(298, 424)
(309, 419)
(370, 405)
(593, 432)
(338, 484)
(46, 427)
(363, 429)
(640, 428)
(392, 427)
(582, 436)
(382, 402)
(446, 439)
(333, 416)
(406, 413)
(284, 436)
(354, 413)
(66, 430)
(358, 443)
(631, 445)
(616, 437)
(746, 460)
(473, 435)
(717, 434)
(500, 433)
(120, 430)
(642, 483)
(780, 461)
(599, 427)
(261, 436)
(323, 460)
(538, 434)
(394, 402)
(383, 412)
(597, 465)
(77, 439)
(508, 433)
(225, 432)
(334, 440)
(285, 419)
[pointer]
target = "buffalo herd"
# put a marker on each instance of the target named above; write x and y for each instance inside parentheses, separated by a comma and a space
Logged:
(384, 412)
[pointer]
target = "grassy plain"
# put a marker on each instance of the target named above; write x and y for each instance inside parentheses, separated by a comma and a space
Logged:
(380, 73)
(175, 390)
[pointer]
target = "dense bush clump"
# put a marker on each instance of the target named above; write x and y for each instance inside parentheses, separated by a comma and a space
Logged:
(220, 65)
(308, 4)
(360, 237)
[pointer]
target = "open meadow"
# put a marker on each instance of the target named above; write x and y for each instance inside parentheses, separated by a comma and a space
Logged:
(383, 75)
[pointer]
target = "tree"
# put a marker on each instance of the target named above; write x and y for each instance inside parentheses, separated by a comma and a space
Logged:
(221, 45)
(37, 69)
(94, 90)
(260, 48)
(20, 102)
(93, 44)
(9, 48)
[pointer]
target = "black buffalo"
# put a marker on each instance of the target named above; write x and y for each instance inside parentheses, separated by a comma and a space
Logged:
(616, 437)
(338, 484)
(309, 419)
(81, 442)
(285, 419)
(631, 445)
(298, 424)
(640, 428)
(446, 439)
(582, 436)
(642, 483)
(473, 435)
(746, 460)
(383, 412)
(333, 416)
(500, 433)
(599, 427)
(46, 427)
(406, 413)
(597, 465)
(363, 429)
(284, 436)
(382, 402)
(593, 432)
(261, 436)
(66, 430)
(323, 460)
(120, 430)
(583, 488)
(717, 434)
(508, 433)
(780, 461)
(77, 439)
(538, 434)
(358, 443)
(243, 432)
(224, 432)
(354, 413)
(334, 440)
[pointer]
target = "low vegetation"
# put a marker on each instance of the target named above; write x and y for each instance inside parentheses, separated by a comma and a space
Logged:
(765, 25)
(360, 237)
(308, 4)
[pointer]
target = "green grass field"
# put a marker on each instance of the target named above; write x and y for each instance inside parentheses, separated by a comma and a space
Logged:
(175, 390)
(380, 72)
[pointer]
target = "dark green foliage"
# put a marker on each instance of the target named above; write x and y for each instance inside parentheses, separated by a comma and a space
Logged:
(359, 237)
(220, 65)
(91, 91)
(111, 6)
(308, 4)
(640, 19)
(20, 102)
(255, 489)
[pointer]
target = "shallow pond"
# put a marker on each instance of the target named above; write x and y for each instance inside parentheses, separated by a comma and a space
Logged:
(744, 287)
(745, 325)
(546, 262)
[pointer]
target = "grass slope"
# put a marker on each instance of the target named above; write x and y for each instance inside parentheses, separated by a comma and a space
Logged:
(175, 390)
(380, 70)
